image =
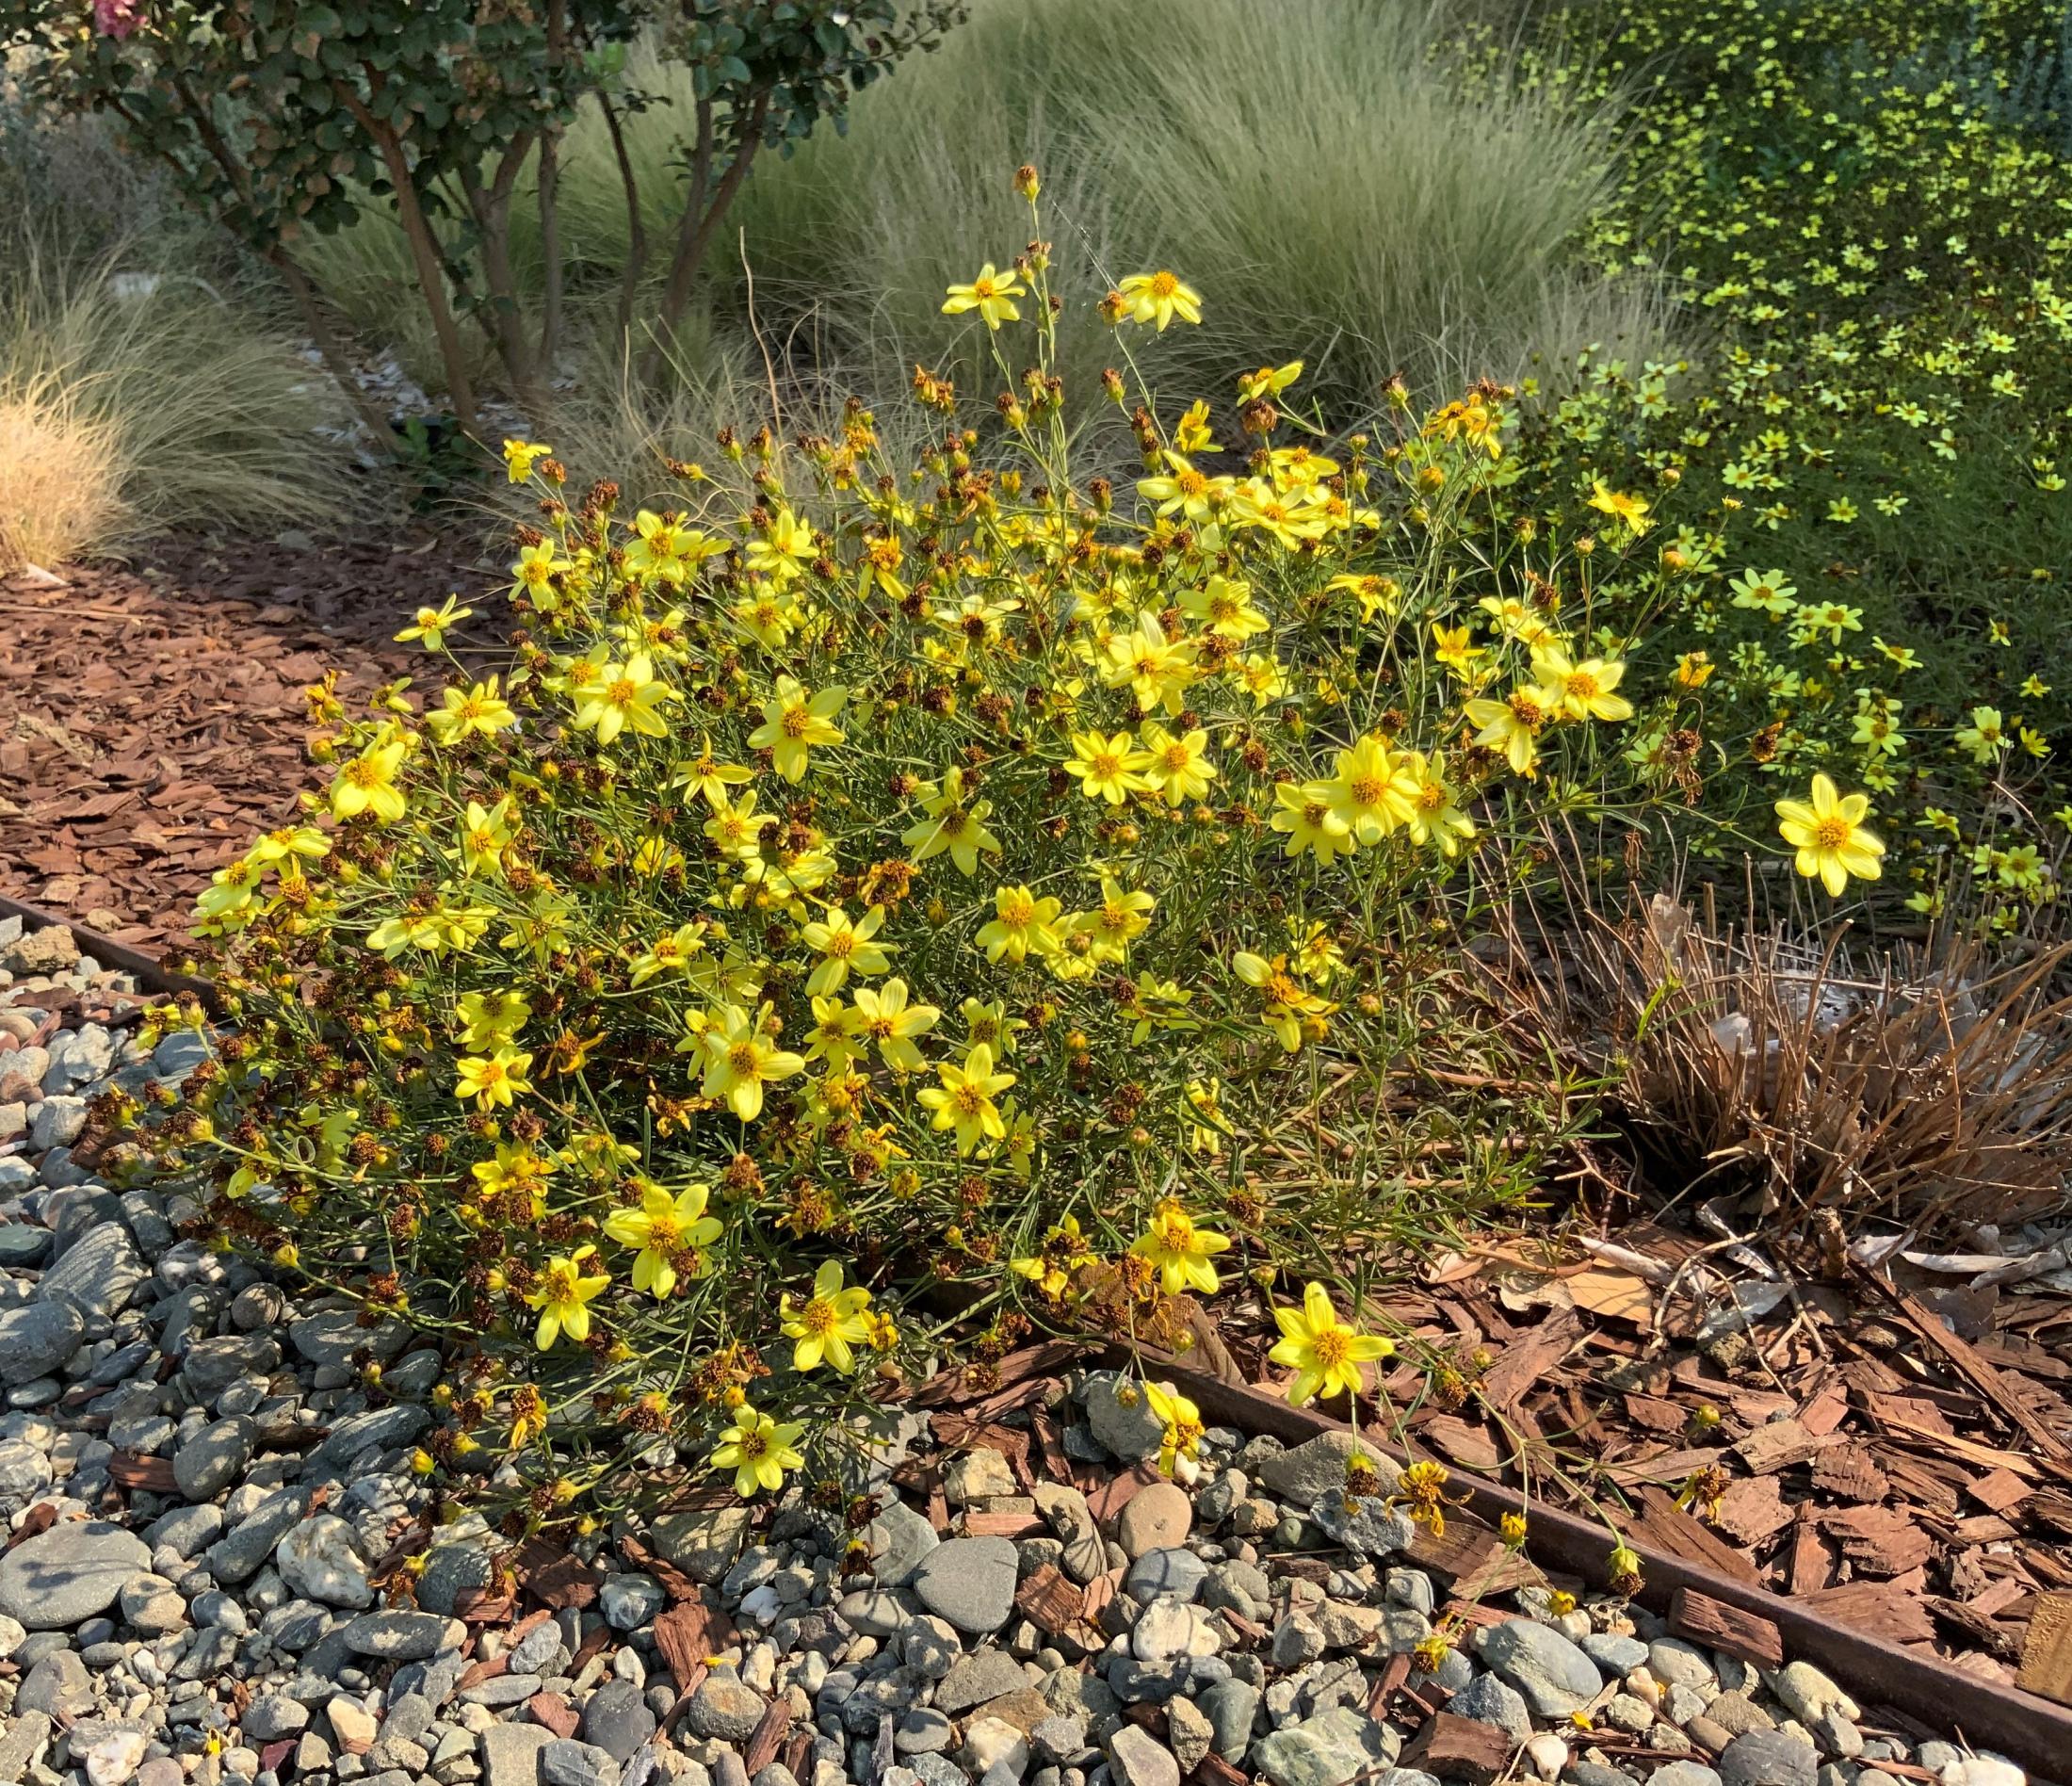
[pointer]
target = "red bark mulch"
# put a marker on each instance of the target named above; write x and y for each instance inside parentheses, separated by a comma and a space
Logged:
(152, 719)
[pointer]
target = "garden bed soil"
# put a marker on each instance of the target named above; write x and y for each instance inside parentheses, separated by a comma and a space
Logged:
(152, 717)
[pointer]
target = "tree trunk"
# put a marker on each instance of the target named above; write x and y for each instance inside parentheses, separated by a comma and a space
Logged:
(491, 208)
(695, 228)
(550, 253)
(423, 250)
(637, 241)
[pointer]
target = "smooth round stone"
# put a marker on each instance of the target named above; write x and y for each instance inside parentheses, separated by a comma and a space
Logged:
(62, 1577)
(1157, 1517)
(1170, 1572)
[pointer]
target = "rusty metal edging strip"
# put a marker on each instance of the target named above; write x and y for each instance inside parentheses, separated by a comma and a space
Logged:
(2034, 1731)
(110, 953)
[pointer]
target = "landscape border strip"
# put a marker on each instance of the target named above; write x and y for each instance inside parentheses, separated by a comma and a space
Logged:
(2034, 1731)
(110, 953)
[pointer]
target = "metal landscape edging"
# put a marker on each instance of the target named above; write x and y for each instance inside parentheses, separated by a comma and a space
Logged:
(110, 953)
(2034, 1731)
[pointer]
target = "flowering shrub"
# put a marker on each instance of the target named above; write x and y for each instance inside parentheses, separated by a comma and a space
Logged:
(877, 896)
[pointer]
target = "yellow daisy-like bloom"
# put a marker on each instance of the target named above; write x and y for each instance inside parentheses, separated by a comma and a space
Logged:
(489, 1019)
(1830, 836)
(625, 696)
(1063, 1250)
(1181, 1251)
(1632, 510)
(796, 721)
(1374, 790)
(466, 712)
(1177, 769)
(1303, 815)
(887, 1019)
(741, 1059)
(1181, 1425)
(1324, 1351)
(828, 1323)
(563, 1295)
(1022, 923)
(1108, 768)
(992, 295)
(955, 826)
(664, 1228)
(366, 783)
(1512, 726)
(1157, 297)
(1580, 690)
(493, 1080)
(520, 456)
(758, 1450)
(844, 947)
(963, 1101)
(431, 625)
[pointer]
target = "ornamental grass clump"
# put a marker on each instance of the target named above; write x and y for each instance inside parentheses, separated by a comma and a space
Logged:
(884, 906)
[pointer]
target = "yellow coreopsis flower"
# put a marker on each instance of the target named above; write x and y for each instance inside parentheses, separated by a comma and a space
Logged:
(1305, 817)
(963, 1101)
(736, 828)
(490, 1019)
(1224, 605)
(1155, 669)
(1632, 510)
(563, 1295)
(466, 712)
(1108, 768)
(828, 1323)
(1434, 816)
(1324, 1351)
(955, 826)
(1181, 1251)
(1828, 833)
(520, 456)
(492, 1079)
(709, 776)
(1123, 915)
(758, 1450)
(887, 1019)
(1373, 790)
(484, 834)
(625, 696)
(431, 625)
(1022, 922)
(844, 947)
(366, 783)
(794, 722)
(740, 1059)
(1580, 690)
(1512, 726)
(992, 295)
(1157, 297)
(665, 1228)
(1455, 647)
(1179, 769)
(1181, 1425)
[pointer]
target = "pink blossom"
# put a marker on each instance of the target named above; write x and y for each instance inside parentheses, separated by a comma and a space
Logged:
(118, 18)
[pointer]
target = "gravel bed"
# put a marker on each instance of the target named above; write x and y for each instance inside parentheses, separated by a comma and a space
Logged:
(188, 1594)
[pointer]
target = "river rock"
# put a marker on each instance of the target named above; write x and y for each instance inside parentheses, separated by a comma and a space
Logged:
(66, 1575)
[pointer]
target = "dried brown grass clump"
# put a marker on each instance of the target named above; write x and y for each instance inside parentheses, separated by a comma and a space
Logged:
(1930, 1086)
(60, 477)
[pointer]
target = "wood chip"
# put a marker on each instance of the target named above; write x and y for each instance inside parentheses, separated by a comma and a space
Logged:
(1998, 1489)
(1777, 1446)
(1459, 1748)
(1713, 1622)
(2047, 1651)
